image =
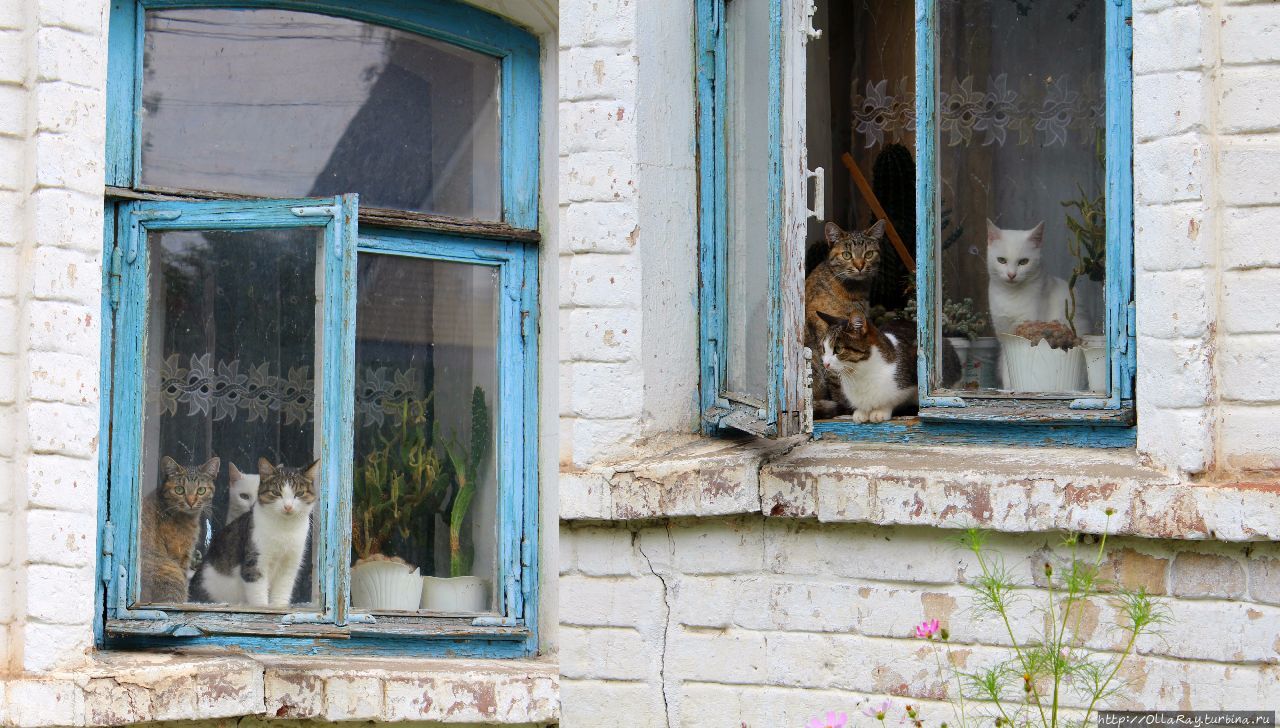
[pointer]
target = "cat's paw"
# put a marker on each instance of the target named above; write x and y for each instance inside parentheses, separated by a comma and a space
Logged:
(861, 416)
(880, 415)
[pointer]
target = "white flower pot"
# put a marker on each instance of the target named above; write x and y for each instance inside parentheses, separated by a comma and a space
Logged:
(961, 345)
(1095, 362)
(455, 594)
(385, 586)
(984, 362)
(1040, 367)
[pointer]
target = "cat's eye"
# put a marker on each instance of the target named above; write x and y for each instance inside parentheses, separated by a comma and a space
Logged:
(870, 254)
(199, 491)
(1024, 261)
(180, 490)
(846, 255)
(1002, 260)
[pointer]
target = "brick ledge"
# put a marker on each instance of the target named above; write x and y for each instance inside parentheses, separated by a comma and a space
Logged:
(126, 688)
(1014, 490)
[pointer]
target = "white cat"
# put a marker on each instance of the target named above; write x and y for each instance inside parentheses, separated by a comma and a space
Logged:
(244, 491)
(1018, 288)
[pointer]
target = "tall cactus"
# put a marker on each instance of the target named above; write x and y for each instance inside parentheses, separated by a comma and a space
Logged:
(466, 467)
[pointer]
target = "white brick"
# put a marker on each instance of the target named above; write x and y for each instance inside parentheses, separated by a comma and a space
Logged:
(608, 22)
(1244, 167)
(1173, 237)
(1249, 301)
(594, 440)
(1251, 237)
(8, 379)
(61, 538)
(613, 602)
(63, 429)
(352, 698)
(604, 390)
(73, 161)
(63, 483)
(13, 111)
(597, 177)
(604, 281)
(64, 327)
(583, 702)
(49, 646)
(1248, 437)
(606, 552)
(1181, 439)
(64, 55)
(722, 547)
(606, 653)
(1175, 373)
(1171, 40)
(1168, 104)
(608, 335)
(597, 73)
(600, 227)
(1249, 366)
(63, 107)
(68, 219)
(733, 656)
(6, 543)
(79, 15)
(65, 275)
(597, 126)
(1170, 170)
(12, 18)
(13, 57)
(1251, 34)
(8, 327)
(59, 595)
(38, 702)
(63, 378)
(1175, 304)
(12, 164)
(1248, 101)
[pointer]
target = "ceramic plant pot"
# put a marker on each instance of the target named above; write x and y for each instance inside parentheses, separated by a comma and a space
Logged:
(1041, 368)
(1095, 362)
(455, 594)
(385, 584)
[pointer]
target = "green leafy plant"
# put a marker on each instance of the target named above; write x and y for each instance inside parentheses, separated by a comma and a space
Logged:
(958, 317)
(1088, 240)
(1049, 668)
(466, 464)
(394, 480)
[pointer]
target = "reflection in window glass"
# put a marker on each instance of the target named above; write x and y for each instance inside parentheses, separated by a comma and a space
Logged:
(746, 28)
(1021, 114)
(282, 103)
(230, 436)
(424, 499)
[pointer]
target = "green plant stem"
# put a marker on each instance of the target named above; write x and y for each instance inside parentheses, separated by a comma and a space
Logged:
(1013, 640)
(1133, 637)
(960, 712)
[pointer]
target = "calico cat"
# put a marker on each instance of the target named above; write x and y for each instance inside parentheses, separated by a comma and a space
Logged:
(244, 489)
(256, 558)
(840, 286)
(169, 526)
(876, 367)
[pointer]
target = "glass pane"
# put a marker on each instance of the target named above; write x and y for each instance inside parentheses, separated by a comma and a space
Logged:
(424, 502)
(1022, 172)
(282, 103)
(746, 27)
(230, 437)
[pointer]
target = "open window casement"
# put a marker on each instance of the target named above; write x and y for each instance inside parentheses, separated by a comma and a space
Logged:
(754, 182)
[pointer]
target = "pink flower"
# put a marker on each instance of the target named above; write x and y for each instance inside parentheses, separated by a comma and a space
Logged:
(928, 628)
(833, 720)
(877, 711)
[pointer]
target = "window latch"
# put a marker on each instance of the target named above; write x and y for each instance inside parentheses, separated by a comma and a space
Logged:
(809, 30)
(819, 209)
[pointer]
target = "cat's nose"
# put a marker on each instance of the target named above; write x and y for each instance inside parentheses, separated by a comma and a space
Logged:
(1012, 275)
(288, 508)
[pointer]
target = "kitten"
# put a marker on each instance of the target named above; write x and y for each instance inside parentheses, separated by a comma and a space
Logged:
(244, 489)
(1018, 288)
(840, 285)
(256, 558)
(876, 368)
(169, 526)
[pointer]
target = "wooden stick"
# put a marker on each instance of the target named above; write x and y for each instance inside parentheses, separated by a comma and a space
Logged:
(865, 188)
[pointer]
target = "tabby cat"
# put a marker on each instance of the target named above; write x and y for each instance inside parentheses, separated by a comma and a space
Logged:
(876, 367)
(169, 527)
(256, 558)
(840, 286)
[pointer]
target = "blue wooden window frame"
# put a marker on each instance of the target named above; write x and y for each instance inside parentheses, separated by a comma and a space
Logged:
(1090, 422)
(130, 216)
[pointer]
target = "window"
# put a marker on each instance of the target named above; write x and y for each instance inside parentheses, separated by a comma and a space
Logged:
(981, 150)
(323, 239)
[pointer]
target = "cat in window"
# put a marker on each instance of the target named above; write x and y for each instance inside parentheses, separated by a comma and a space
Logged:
(169, 526)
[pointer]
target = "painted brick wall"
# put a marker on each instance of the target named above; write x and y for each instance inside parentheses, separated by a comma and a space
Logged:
(52, 66)
(766, 622)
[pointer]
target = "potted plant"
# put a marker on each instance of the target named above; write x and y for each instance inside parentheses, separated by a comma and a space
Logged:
(462, 591)
(1043, 356)
(961, 326)
(393, 481)
(1087, 244)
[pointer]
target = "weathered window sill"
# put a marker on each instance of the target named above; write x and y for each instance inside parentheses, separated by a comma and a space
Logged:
(124, 688)
(1015, 490)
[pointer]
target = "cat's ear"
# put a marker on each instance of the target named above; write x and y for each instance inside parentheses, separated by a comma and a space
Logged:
(210, 468)
(831, 320)
(832, 233)
(264, 468)
(876, 231)
(993, 232)
(1036, 236)
(233, 473)
(858, 325)
(312, 472)
(170, 467)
